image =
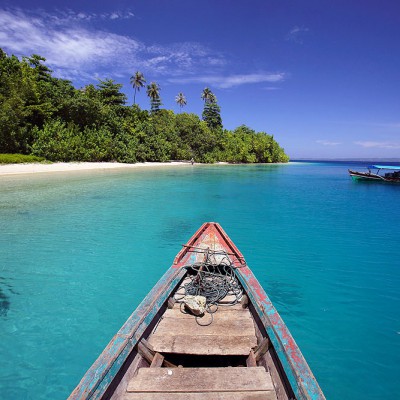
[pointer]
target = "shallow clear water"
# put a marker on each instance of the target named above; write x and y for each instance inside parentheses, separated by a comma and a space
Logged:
(79, 252)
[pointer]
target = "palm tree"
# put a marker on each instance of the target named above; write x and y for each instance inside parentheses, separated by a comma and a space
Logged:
(137, 82)
(212, 98)
(206, 95)
(153, 91)
(181, 100)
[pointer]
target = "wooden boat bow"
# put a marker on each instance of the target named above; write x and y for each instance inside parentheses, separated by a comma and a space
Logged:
(262, 340)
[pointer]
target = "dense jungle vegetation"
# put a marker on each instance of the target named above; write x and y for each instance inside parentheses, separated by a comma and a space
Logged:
(44, 116)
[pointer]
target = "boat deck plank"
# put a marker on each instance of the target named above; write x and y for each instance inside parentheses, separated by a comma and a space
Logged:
(259, 395)
(219, 326)
(223, 312)
(204, 344)
(201, 381)
(232, 332)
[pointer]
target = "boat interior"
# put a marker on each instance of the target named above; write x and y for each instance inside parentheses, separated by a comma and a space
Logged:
(223, 354)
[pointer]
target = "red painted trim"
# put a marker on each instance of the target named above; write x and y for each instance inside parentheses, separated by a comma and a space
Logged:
(191, 242)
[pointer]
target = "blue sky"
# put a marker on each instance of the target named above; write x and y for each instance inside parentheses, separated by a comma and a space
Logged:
(321, 76)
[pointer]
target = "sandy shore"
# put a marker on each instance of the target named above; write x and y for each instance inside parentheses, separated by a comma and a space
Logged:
(15, 169)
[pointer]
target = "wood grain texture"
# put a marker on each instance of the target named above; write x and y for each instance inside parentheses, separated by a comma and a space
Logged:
(231, 332)
(259, 395)
(158, 360)
(219, 326)
(204, 344)
(168, 380)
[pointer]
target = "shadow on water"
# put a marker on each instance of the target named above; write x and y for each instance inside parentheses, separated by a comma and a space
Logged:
(4, 304)
(287, 296)
(4, 297)
(168, 234)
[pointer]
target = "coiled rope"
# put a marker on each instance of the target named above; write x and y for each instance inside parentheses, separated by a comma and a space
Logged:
(214, 280)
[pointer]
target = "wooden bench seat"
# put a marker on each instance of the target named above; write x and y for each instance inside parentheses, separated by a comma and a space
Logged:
(201, 384)
(231, 333)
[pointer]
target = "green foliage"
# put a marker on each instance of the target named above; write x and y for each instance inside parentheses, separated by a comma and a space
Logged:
(153, 91)
(212, 115)
(244, 145)
(49, 118)
(110, 93)
(20, 159)
(211, 112)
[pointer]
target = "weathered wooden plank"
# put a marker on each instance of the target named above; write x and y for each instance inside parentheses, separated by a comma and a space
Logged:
(259, 395)
(221, 313)
(262, 348)
(189, 326)
(251, 360)
(272, 367)
(157, 360)
(279, 386)
(148, 353)
(200, 380)
(137, 363)
(204, 344)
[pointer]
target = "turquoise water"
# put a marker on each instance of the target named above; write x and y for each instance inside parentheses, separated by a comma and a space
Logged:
(78, 252)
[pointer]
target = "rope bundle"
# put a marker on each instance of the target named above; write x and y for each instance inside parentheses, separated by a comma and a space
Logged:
(214, 280)
(214, 283)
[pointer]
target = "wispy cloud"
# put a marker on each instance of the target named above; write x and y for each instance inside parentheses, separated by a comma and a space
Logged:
(379, 145)
(68, 47)
(328, 143)
(178, 58)
(296, 34)
(64, 16)
(225, 82)
(74, 48)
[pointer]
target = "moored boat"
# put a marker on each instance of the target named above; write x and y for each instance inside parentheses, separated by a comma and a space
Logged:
(207, 330)
(391, 174)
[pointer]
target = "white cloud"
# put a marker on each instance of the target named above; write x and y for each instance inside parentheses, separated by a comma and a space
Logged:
(78, 51)
(379, 145)
(66, 46)
(225, 82)
(328, 143)
(73, 47)
(296, 34)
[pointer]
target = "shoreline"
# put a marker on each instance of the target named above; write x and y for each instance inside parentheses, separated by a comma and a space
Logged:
(37, 168)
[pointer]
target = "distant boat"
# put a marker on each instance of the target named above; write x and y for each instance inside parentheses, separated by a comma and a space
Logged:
(239, 348)
(390, 173)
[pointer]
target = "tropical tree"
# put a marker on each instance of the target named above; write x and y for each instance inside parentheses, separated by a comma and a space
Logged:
(110, 92)
(181, 100)
(137, 82)
(206, 94)
(211, 112)
(153, 91)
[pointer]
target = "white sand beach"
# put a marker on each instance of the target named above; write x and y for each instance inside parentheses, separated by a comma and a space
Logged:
(16, 169)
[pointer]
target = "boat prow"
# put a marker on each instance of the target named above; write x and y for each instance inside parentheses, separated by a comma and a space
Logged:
(235, 347)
